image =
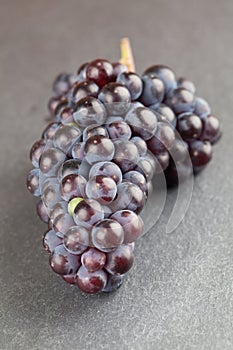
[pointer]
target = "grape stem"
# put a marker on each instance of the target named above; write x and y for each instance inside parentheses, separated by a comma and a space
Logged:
(126, 54)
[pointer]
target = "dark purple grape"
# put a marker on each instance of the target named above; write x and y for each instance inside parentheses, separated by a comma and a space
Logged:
(186, 84)
(69, 167)
(161, 162)
(118, 68)
(91, 282)
(101, 188)
(202, 107)
(114, 282)
(133, 82)
(61, 84)
(65, 137)
(59, 109)
(71, 279)
(165, 74)
(33, 183)
(129, 196)
(116, 98)
(82, 90)
(50, 194)
(72, 185)
(211, 129)
(88, 212)
(66, 116)
(119, 130)
(179, 151)
(78, 151)
(52, 104)
(108, 169)
(189, 126)
(76, 239)
(153, 90)
(62, 223)
(81, 74)
(49, 131)
(98, 148)
(126, 155)
(146, 167)
(200, 152)
(163, 139)
(51, 160)
(136, 178)
(58, 209)
(100, 71)
(93, 260)
(62, 262)
(132, 224)
(120, 261)
(51, 241)
(36, 152)
(42, 212)
(94, 130)
(89, 111)
(142, 121)
(107, 235)
(140, 144)
(181, 101)
(164, 114)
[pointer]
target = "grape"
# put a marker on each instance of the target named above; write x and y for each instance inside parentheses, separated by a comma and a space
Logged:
(61, 84)
(132, 224)
(116, 98)
(179, 151)
(36, 152)
(62, 223)
(73, 204)
(66, 116)
(182, 168)
(146, 167)
(71, 279)
(126, 155)
(91, 282)
(52, 104)
(50, 161)
(51, 241)
(94, 130)
(58, 209)
(120, 261)
(189, 126)
(161, 162)
(133, 82)
(140, 144)
(202, 107)
(118, 68)
(69, 167)
(82, 72)
(78, 151)
(107, 211)
(49, 131)
(153, 90)
(163, 140)
(65, 137)
(88, 212)
(62, 262)
(142, 121)
(114, 282)
(107, 235)
(108, 169)
(165, 74)
(42, 212)
(72, 185)
(100, 71)
(101, 188)
(136, 178)
(98, 148)
(89, 111)
(164, 114)
(186, 84)
(119, 130)
(76, 239)
(181, 101)
(33, 182)
(211, 129)
(82, 90)
(59, 109)
(50, 194)
(93, 259)
(129, 196)
(200, 152)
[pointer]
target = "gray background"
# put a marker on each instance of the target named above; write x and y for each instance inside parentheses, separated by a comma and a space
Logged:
(179, 293)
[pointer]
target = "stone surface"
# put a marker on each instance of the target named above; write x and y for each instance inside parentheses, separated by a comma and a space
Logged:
(179, 294)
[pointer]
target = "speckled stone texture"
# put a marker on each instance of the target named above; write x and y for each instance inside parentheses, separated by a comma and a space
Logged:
(179, 294)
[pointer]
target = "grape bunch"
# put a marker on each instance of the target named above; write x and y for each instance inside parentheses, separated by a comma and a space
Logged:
(111, 130)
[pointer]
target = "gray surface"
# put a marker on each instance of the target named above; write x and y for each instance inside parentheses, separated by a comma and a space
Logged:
(179, 293)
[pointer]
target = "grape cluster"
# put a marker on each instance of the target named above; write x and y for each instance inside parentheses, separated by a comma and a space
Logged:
(110, 132)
